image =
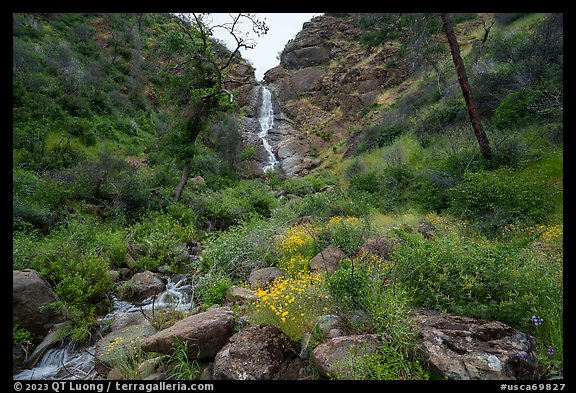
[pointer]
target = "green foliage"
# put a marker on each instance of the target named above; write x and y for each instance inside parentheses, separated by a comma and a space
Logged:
(180, 366)
(377, 136)
(478, 277)
(493, 199)
(212, 288)
(20, 335)
(348, 284)
(161, 236)
(241, 248)
(389, 362)
(228, 206)
(392, 186)
(514, 110)
(303, 185)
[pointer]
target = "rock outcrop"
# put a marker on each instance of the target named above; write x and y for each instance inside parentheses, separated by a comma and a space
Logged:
(263, 277)
(126, 340)
(206, 333)
(332, 358)
(258, 352)
(31, 298)
(327, 261)
(143, 285)
(324, 81)
(457, 347)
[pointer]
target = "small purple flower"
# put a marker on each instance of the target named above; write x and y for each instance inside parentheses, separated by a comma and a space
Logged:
(537, 320)
(521, 355)
(550, 350)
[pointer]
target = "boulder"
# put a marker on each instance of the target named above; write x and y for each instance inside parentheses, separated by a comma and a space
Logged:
(31, 295)
(467, 348)
(331, 357)
(305, 57)
(238, 295)
(261, 278)
(206, 333)
(327, 322)
(328, 260)
(127, 340)
(381, 246)
(258, 352)
(426, 228)
(143, 285)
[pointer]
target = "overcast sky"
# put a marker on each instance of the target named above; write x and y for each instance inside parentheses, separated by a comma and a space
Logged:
(282, 27)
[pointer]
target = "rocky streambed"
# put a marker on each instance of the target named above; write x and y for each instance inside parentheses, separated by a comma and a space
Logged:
(228, 345)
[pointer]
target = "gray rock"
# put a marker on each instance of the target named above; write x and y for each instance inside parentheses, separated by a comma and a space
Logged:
(328, 322)
(206, 333)
(466, 348)
(236, 294)
(258, 352)
(328, 260)
(332, 357)
(143, 285)
(261, 278)
(127, 340)
(31, 296)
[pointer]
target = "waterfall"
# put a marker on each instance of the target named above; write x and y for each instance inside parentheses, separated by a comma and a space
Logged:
(266, 119)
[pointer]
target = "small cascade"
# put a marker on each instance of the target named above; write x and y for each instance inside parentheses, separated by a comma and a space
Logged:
(67, 362)
(61, 363)
(266, 119)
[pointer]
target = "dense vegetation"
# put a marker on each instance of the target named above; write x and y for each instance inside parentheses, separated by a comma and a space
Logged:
(97, 154)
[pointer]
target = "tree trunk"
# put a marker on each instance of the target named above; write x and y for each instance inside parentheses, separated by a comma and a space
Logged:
(466, 91)
(183, 180)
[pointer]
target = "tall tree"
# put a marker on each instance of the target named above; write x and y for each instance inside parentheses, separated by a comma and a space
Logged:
(200, 73)
(466, 91)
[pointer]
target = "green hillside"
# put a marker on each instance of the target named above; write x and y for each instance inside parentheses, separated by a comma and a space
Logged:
(109, 110)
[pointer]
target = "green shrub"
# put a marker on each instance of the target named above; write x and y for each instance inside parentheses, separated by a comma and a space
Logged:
(242, 248)
(514, 110)
(161, 237)
(493, 199)
(212, 287)
(228, 206)
(477, 277)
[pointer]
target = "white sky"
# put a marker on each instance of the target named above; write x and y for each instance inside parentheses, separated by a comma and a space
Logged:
(281, 28)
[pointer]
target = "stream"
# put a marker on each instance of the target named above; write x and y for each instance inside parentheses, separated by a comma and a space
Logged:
(266, 120)
(69, 362)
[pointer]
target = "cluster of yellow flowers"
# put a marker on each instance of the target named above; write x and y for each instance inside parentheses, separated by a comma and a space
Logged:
(552, 232)
(546, 232)
(346, 220)
(295, 265)
(118, 343)
(286, 302)
(296, 238)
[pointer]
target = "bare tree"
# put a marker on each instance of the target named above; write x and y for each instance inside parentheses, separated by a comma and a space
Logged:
(465, 86)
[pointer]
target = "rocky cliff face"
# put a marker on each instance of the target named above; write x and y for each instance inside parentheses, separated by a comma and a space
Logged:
(325, 79)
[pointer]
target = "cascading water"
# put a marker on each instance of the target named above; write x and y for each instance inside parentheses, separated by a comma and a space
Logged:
(72, 363)
(266, 119)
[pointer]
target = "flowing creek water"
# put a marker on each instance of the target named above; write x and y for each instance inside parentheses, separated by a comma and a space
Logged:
(266, 119)
(70, 362)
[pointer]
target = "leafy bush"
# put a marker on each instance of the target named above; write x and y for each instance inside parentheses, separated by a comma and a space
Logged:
(162, 238)
(476, 277)
(493, 199)
(514, 110)
(212, 287)
(242, 248)
(376, 136)
(227, 207)
(393, 186)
